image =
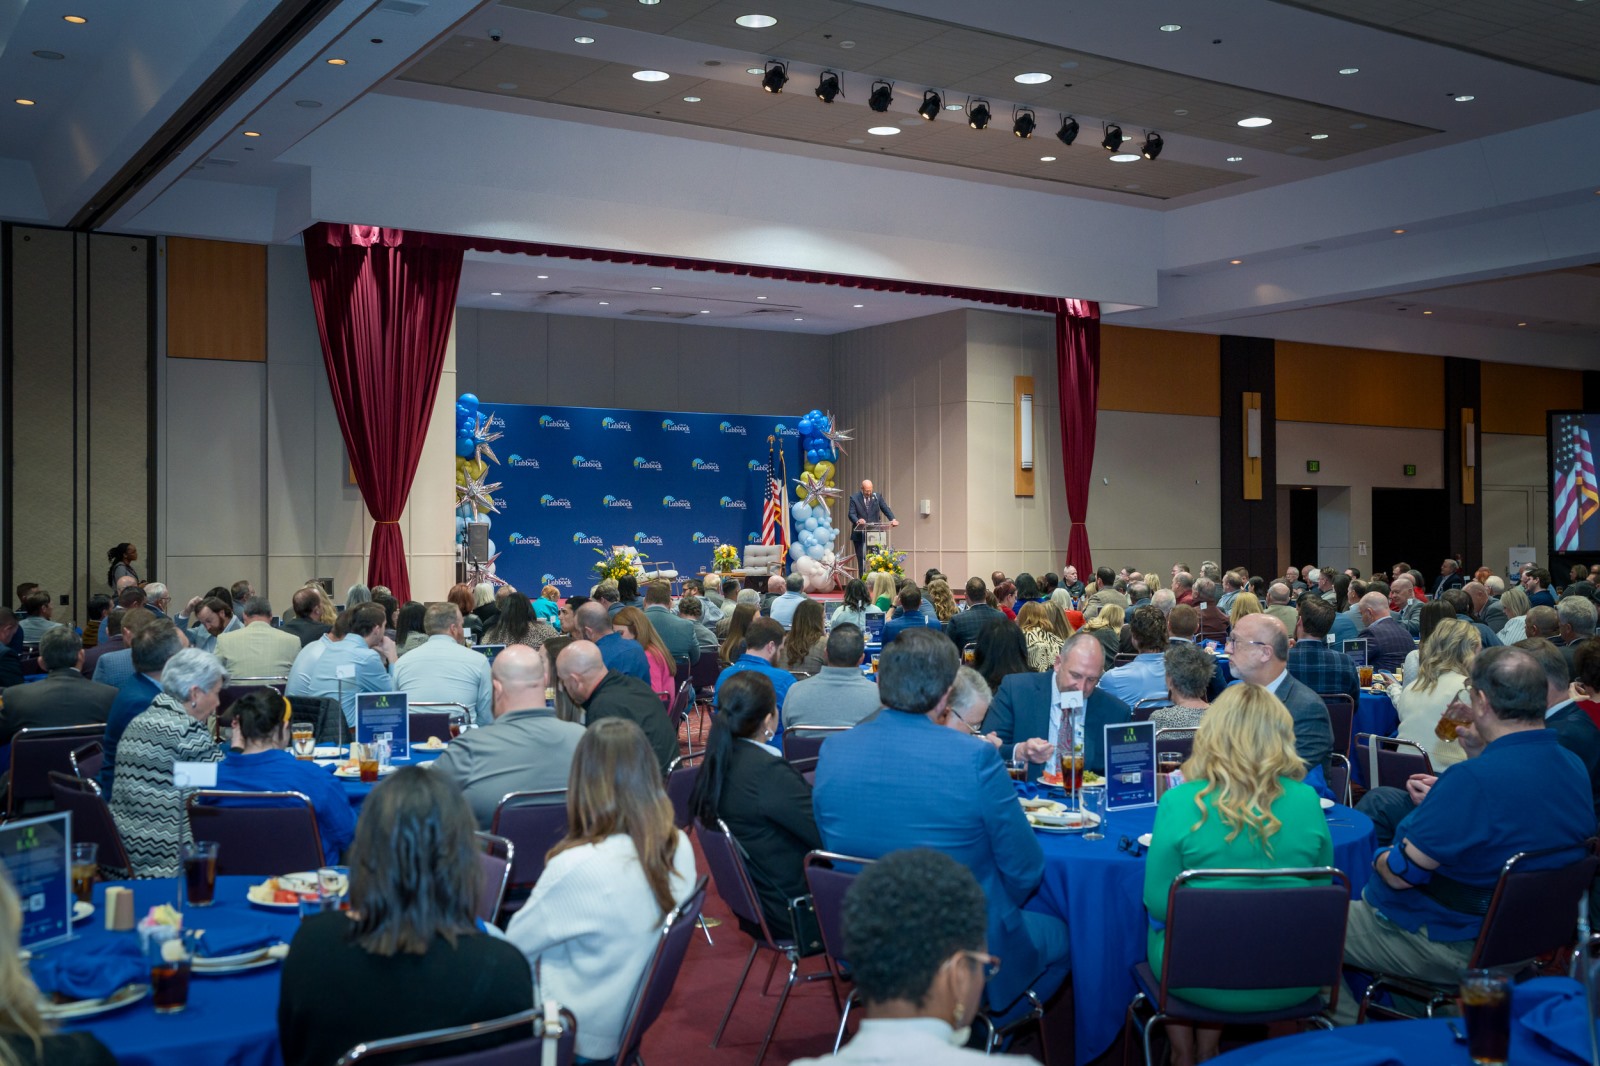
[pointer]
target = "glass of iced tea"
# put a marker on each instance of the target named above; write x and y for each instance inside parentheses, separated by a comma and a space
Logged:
(1454, 715)
(366, 756)
(199, 859)
(1072, 771)
(1365, 673)
(169, 973)
(304, 741)
(1486, 1008)
(969, 654)
(85, 860)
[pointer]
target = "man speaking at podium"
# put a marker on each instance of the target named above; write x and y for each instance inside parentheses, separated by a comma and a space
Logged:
(866, 506)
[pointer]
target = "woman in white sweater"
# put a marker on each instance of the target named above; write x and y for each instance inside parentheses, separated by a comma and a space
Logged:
(590, 926)
(1440, 678)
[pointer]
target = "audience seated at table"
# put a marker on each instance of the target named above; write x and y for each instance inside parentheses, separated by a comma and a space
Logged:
(1572, 726)
(880, 586)
(1106, 628)
(1388, 642)
(637, 629)
(461, 595)
(1586, 679)
(1188, 670)
(959, 800)
(257, 649)
(157, 641)
(1422, 912)
(353, 658)
(1515, 603)
(733, 632)
(65, 697)
(1040, 636)
(1315, 664)
(604, 694)
(444, 669)
(1145, 676)
(943, 600)
(593, 623)
(919, 970)
(517, 622)
(1446, 661)
(837, 694)
(1002, 651)
(805, 645)
(1027, 710)
(1005, 599)
(259, 730)
(408, 956)
(968, 704)
(1213, 622)
(1258, 653)
(855, 606)
(691, 609)
(1576, 616)
(763, 639)
(525, 749)
(968, 625)
(1243, 805)
(592, 922)
(1244, 603)
(764, 801)
(147, 806)
(908, 615)
(26, 1039)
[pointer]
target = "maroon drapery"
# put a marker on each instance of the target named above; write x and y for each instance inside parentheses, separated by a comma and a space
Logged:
(1078, 387)
(384, 304)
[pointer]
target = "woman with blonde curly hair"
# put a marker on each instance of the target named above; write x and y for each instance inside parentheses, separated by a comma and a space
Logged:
(944, 601)
(1243, 604)
(1242, 805)
(1441, 679)
(1107, 629)
(1042, 637)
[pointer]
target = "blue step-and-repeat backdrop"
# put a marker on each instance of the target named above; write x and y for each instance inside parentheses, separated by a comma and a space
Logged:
(672, 484)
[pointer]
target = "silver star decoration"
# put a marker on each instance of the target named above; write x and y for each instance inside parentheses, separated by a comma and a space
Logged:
(478, 573)
(840, 572)
(837, 436)
(481, 438)
(477, 493)
(816, 487)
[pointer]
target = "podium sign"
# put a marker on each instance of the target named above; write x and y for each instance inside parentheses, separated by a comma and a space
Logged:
(875, 536)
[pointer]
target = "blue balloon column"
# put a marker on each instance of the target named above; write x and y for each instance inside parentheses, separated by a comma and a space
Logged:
(814, 532)
(474, 493)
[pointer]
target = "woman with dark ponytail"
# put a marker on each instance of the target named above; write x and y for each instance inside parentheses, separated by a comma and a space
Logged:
(121, 558)
(765, 802)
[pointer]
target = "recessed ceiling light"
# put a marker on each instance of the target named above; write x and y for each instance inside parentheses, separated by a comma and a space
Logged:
(1235, 262)
(655, 288)
(45, 53)
(649, 3)
(605, 303)
(858, 305)
(251, 133)
(1522, 323)
(650, 75)
(1254, 121)
(494, 294)
(705, 312)
(691, 99)
(1125, 157)
(1399, 231)
(799, 320)
(1465, 98)
(952, 107)
(1032, 78)
(24, 101)
(337, 62)
(1047, 159)
(1349, 70)
(1427, 312)
(76, 20)
(1319, 136)
(1236, 159)
(1171, 27)
(755, 70)
(542, 277)
(883, 131)
(761, 297)
(1181, 111)
(583, 40)
(756, 22)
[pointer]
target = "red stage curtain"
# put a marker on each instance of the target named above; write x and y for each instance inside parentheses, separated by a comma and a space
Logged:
(1078, 387)
(384, 304)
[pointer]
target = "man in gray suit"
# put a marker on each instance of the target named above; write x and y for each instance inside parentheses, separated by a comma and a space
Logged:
(675, 632)
(66, 697)
(525, 749)
(1259, 648)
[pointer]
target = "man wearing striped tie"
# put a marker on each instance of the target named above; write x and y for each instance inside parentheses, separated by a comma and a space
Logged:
(867, 506)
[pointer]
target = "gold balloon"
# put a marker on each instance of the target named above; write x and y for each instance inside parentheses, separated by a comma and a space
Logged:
(477, 467)
(824, 470)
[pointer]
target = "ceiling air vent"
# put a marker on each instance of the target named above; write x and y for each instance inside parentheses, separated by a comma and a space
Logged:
(218, 161)
(641, 312)
(403, 7)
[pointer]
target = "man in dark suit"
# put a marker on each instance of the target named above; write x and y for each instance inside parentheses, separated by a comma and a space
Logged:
(867, 506)
(10, 661)
(1259, 655)
(1027, 710)
(66, 697)
(1388, 642)
(1575, 620)
(959, 801)
(302, 625)
(1449, 577)
(604, 693)
(1573, 728)
(966, 626)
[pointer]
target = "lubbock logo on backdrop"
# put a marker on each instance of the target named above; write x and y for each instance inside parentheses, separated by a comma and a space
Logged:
(641, 463)
(710, 468)
(705, 538)
(580, 463)
(729, 427)
(517, 460)
(732, 504)
(546, 422)
(584, 538)
(612, 423)
(548, 500)
(757, 466)
(525, 540)
(643, 538)
(673, 501)
(784, 431)
(670, 426)
(613, 501)
(558, 582)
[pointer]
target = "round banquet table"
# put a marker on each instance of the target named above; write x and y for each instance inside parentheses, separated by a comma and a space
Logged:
(357, 790)
(1375, 714)
(1546, 1030)
(230, 1021)
(1099, 891)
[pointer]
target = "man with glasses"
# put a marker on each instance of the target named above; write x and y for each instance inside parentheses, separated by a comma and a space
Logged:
(1029, 709)
(1259, 654)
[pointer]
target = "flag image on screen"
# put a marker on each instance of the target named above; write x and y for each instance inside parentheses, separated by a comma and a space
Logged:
(1575, 488)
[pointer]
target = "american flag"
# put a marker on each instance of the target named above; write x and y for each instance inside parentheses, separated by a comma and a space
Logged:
(1577, 487)
(774, 524)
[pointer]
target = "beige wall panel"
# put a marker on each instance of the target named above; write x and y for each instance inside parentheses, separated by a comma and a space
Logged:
(1152, 497)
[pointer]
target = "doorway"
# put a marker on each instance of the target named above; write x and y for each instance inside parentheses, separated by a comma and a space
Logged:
(1302, 527)
(1410, 525)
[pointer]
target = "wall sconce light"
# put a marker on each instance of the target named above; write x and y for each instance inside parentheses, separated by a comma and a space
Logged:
(1022, 440)
(1252, 433)
(1027, 431)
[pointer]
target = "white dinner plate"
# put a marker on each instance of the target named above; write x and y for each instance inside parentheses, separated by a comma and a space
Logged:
(87, 1008)
(1086, 820)
(1327, 804)
(261, 896)
(248, 960)
(330, 751)
(353, 773)
(1145, 839)
(82, 911)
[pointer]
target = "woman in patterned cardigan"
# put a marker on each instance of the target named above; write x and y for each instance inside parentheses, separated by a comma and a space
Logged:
(148, 808)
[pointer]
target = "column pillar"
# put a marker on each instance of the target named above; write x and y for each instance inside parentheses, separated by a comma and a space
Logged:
(1249, 484)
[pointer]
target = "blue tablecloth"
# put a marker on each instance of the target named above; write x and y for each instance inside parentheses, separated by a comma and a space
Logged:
(1375, 714)
(1534, 1007)
(357, 790)
(230, 1021)
(1099, 890)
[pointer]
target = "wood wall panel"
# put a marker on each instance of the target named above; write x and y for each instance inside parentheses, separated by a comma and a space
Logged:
(1515, 398)
(1159, 371)
(1359, 387)
(216, 300)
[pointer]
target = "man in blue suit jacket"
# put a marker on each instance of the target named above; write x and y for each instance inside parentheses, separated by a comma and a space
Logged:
(906, 780)
(1025, 714)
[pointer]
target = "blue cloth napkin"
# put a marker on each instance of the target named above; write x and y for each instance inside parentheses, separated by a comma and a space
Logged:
(91, 971)
(1333, 1049)
(1318, 779)
(236, 939)
(1551, 1011)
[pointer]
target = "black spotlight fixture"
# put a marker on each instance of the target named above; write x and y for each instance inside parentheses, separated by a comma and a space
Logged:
(1152, 145)
(828, 86)
(776, 77)
(1023, 122)
(978, 114)
(1112, 141)
(882, 96)
(1068, 131)
(931, 103)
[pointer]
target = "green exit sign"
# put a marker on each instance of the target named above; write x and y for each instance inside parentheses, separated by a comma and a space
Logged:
(1411, 470)
(1313, 466)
